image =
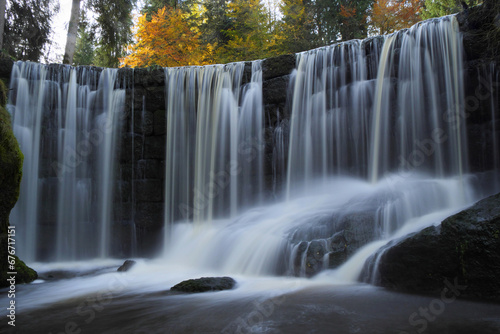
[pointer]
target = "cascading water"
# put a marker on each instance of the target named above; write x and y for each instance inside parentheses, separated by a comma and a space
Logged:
(374, 148)
(67, 121)
(386, 110)
(421, 87)
(376, 139)
(332, 99)
(214, 131)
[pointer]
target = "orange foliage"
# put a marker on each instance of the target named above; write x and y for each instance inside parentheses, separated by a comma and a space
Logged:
(391, 15)
(166, 40)
(347, 12)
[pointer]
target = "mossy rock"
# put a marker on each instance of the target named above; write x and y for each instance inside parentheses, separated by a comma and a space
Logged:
(24, 274)
(11, 164)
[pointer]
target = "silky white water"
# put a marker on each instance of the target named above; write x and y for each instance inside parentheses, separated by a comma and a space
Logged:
(222, 248)
(67, 122)
(376, 149)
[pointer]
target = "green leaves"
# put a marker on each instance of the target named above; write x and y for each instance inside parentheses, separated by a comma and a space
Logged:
(437, 8)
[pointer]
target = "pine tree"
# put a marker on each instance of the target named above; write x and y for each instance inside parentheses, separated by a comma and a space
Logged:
(84, 48)
(295, 31)
(113, 26)
(438, 8)
(249, 36)
(28, 27)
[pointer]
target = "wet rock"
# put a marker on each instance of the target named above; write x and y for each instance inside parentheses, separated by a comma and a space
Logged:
(127, 265)
(205, 284)
(149, 190)
(278, 66)
(315, 257)
(149, 215)
(337, 237)
(275, 90)
(154, 147)
(463, 251)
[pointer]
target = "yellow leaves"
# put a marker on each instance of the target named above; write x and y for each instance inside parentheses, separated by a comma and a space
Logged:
(166, 40)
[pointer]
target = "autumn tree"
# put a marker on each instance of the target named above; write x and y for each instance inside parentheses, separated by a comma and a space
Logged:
(352, 16)
(392, 15)
(165, 40)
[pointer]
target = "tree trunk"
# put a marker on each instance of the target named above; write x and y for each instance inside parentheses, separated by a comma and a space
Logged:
(72, 32)
(2, 21)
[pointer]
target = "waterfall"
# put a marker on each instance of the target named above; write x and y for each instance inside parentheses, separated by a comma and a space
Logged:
(422, 86)
(332, 98)
(372, 143)
(362, 107)
(67, 121)
(214, 154)
(29, 81)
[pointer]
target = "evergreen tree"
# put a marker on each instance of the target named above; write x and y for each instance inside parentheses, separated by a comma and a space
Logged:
(214, 27)
(28, 27)
(152, 6)
(295, 31)
(84, 49)
(249, 36)
(438, 8)
(113, 26)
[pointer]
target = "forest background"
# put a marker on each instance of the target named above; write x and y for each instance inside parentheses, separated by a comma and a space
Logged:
(166, 33)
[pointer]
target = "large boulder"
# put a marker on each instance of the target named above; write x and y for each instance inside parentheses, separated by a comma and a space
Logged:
(460, 255)
(328, 240)
(346, 233)
(204, 284)
(11, 162)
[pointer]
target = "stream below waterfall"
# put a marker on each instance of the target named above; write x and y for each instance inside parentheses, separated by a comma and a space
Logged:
(92, 297)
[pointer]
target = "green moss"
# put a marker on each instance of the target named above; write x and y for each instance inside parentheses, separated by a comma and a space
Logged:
(24, 274)
(11, 164)
(3, 93)
(11, 160)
